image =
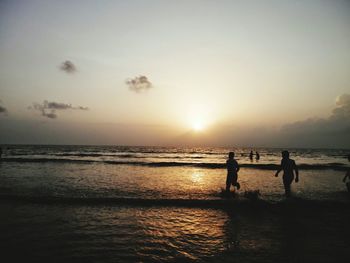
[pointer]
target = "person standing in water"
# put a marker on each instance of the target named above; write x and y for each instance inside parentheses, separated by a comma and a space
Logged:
(289, 167)
(257, 156)
(347, 175)
(232, 172)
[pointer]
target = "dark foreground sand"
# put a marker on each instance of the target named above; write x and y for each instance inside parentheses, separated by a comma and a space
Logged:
(290, 231)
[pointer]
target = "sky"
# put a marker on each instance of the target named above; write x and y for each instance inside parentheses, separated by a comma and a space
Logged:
(210, 73)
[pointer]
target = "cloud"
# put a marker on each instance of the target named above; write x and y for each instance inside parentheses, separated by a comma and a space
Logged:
(3, 110)
(331, 131)
(139, 84)
(48, 109)
(81, 108)
(338, 121)
(342, 111)
(68, 67)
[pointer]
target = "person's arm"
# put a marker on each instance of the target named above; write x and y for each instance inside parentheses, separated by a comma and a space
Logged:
(279, 170)
(347, 175)
(296, 172)
(237, 167)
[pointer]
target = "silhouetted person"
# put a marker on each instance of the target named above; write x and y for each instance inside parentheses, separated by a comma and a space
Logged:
(347, 175)
(257, 156)
(232, 172)
(288, 166)
(251, 155)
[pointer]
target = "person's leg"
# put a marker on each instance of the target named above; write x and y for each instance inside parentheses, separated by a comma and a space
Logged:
(287, 181)
(228, 182)
(234, 182)
(286, 188)
(238, 185)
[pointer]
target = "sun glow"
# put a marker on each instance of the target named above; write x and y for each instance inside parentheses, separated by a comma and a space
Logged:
(199, 117)
(197, 126)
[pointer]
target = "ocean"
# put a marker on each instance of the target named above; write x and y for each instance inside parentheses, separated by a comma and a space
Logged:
(127, 204)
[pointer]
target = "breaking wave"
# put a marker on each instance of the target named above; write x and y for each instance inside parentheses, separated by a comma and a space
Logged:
(333, 166)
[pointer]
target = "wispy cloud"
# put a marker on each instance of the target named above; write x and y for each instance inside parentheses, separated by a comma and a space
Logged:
(139, 84)
(48, 108)
(3, 110)
(68, 67)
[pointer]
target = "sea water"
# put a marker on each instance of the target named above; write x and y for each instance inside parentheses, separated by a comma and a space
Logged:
(129, 231)
(162, 172)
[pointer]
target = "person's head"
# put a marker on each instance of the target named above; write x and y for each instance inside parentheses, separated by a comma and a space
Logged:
(285, 154)
(231, 155)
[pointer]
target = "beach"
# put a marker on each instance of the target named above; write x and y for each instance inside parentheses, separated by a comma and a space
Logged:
(174, 131)
(156, 204)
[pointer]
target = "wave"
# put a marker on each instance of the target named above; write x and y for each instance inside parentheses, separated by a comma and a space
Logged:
(94, 155)
(332, 166)
(136, 156)
(80, 154)
(45, 160)
(198, 203)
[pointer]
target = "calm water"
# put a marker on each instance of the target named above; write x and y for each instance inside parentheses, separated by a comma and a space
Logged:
(125, 232)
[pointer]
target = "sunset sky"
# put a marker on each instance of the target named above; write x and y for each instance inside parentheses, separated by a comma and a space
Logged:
(223, 73)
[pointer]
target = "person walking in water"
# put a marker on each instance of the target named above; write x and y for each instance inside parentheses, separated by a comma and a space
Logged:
(347, 175)
(232, 172)
(251, 155)
(288, 166)
(257, 156)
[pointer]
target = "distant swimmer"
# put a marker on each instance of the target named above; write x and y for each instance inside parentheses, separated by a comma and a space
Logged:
(251, 155)
(347, 176)
(232, 172)
(288, 166)
(257, 156)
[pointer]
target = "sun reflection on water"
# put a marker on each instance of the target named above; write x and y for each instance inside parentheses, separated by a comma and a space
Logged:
(183, 233)
(197, 176)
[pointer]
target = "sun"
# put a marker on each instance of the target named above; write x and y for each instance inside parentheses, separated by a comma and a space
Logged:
(197, 118)
(197, 126)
